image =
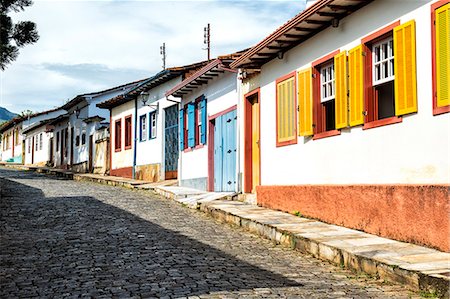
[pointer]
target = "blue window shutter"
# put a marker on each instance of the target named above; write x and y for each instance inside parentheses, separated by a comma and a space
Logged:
(181, 126)
(204, 120)
(191, 125)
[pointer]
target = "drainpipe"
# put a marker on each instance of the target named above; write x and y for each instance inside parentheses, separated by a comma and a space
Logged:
(135, 138)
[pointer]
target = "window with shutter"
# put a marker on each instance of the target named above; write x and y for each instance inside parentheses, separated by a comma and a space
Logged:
(143, 127)
(286, 110)
(118, 135)
(128, 132)
(191, 124)
(440, 12)
(356, 86)
(152, 125)
(389, 76)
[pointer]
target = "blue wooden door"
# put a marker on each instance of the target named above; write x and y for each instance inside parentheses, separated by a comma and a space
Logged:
(225, 152)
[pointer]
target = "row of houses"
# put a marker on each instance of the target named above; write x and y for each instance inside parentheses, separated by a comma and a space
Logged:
(341, 114)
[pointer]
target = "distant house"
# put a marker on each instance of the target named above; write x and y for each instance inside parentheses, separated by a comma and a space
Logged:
(13, 148)
(75, 133)
(12, 140)
(346, 117)
(149, 150)
(208, 127)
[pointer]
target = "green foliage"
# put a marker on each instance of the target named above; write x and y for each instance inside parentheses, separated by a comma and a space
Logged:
(25, 113)
(296, 213)
(13, 36)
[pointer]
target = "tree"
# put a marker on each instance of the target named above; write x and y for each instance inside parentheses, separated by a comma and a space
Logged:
(14, 36)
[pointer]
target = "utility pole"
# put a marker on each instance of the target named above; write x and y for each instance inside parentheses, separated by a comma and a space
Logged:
(207, 40)
(162, 51)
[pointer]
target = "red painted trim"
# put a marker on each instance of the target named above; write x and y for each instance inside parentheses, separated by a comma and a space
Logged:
(436, 110)
(199, 146)
(12, 143)
(187, 150)
(382, 122)
(222, 112)
(371, 37)
(127, 147)
(194, 76)
(211, 156)
(325, 58)
(248, 142)
(326, 134)
(281, 79)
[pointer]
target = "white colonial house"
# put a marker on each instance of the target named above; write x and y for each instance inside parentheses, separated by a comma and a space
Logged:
(208, 128)
(75, 132)
(346, 117)
(13, 147)
(149, 150)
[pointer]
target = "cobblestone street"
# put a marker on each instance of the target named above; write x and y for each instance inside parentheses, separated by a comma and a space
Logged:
(62, 238)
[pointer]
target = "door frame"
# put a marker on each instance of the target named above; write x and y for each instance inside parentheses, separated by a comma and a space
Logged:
(169, 175)
(248, 148)
(211, 125)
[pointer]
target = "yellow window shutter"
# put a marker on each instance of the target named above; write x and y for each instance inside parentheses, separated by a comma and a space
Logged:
(340, 69)
(405, 68)
(356, 86)
(286, 110)
(305, 102)
(443, 55)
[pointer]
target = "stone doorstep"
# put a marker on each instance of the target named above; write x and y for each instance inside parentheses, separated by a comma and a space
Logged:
(419, 268)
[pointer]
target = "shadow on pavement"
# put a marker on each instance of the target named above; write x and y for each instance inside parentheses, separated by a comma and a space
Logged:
(79, 245)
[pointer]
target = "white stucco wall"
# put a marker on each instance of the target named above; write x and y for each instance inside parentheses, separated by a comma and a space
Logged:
(152, 151)
(122, 158)
(41, 155)
(221, 93)
(415, 151)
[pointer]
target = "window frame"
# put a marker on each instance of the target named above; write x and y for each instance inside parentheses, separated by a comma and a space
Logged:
(319, 111)
(370, 104)
(436, 110)
(57, 142)
(40, 141)
(151, 127)
(83, 138)
(295, 107)
(118, 135)
(128, 142)
(143, 128)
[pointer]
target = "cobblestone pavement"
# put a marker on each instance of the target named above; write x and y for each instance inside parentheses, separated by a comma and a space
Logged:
(68, 239)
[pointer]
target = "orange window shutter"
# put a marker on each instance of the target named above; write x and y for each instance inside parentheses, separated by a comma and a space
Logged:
(340, 67)
(443, 55)
(356, 86)
(279, 110)
(286, 110)
(405, 68)
(305, 102)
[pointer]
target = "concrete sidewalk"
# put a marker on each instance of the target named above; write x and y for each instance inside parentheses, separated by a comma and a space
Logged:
(419, 268)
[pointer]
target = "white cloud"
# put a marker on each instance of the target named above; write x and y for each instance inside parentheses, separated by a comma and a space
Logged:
(89, 45)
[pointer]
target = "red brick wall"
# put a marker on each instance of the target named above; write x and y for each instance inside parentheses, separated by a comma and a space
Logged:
(411, 213)
(126, 172)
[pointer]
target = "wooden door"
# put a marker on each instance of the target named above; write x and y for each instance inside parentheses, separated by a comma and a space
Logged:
(255, 145)
(225, 151)
(252, 149)
(72, 133)
(32, 150)
(91, 153)
(51, 151)
(171, 148)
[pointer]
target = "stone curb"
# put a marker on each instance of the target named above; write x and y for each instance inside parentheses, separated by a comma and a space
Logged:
(414, 280)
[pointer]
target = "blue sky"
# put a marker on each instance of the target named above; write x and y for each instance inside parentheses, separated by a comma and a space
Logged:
(87, 46)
